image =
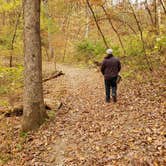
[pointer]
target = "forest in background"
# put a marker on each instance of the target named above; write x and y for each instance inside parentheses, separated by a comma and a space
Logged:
(74, 33)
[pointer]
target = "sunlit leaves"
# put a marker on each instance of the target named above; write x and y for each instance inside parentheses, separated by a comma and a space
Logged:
(9, 6)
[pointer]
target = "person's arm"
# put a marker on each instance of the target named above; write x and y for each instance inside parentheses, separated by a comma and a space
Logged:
(103, 67)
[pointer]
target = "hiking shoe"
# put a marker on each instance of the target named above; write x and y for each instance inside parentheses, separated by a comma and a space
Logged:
(108, 100)
(114, 99)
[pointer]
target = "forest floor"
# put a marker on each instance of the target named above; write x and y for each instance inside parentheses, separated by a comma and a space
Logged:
(86, 131)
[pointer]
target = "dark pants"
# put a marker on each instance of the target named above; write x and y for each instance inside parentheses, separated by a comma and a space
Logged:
(111, 84)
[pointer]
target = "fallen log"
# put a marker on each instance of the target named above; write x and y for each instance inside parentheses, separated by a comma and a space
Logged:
(53, 76)
(18, 110)
(49, 78)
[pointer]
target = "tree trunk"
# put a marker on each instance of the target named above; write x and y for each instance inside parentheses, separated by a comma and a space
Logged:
(156, 16)
(34, 112)
(13, 39)
(163, 5)
(98, 27)
(149, 12)
(114, 29)
(141, 36)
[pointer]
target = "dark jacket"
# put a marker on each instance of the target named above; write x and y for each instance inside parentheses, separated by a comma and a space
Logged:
(111, 66)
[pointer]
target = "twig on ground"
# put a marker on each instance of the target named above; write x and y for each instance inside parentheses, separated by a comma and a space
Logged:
(53, 76)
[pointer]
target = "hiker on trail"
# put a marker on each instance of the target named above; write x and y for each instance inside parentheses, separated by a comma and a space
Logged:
(110, 68)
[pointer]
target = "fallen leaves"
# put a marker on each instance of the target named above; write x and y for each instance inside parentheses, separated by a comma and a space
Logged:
(86, 131)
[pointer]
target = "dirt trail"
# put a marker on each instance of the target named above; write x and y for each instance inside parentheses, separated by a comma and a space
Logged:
(95, 133)
(81, 85)
(88, 132)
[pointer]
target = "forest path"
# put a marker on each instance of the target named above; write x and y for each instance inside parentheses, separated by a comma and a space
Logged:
(91, 132)
(86, 131)
(83, 93)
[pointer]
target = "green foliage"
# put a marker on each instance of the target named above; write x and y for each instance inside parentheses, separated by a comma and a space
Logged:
(117, 51)
(10, 78)
(12, 74)
(161, 42)
(9, 6)
(4, 158)
(89, 50)
(3, 89)
(133, 45)
(127, 74)
(150, 39)
(23, 134)
(6, 36)
(19, 147)
(48, 24)
(4, 103)
(51, 114)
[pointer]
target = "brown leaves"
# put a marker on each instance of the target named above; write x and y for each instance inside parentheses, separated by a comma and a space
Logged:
(86, 131)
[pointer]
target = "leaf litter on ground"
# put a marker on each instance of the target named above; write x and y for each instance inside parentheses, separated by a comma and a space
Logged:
(86, 130)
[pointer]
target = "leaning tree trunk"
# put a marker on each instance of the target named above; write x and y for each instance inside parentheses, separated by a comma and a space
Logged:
(34, 112)
(141, 37)
(114, 29)
(98, 26)
(163, 6)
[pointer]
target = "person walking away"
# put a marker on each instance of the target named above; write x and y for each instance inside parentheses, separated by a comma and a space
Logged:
(110, 68)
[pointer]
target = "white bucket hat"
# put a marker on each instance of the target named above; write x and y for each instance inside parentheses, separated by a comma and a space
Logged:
(109, 51)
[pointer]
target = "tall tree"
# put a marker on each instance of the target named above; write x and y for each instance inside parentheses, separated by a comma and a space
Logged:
(149, 11)
(34, 111)
(141, 37)
(114, 29)
(98, 26)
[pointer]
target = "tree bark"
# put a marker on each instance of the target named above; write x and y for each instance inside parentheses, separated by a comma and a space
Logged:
(34, 112)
